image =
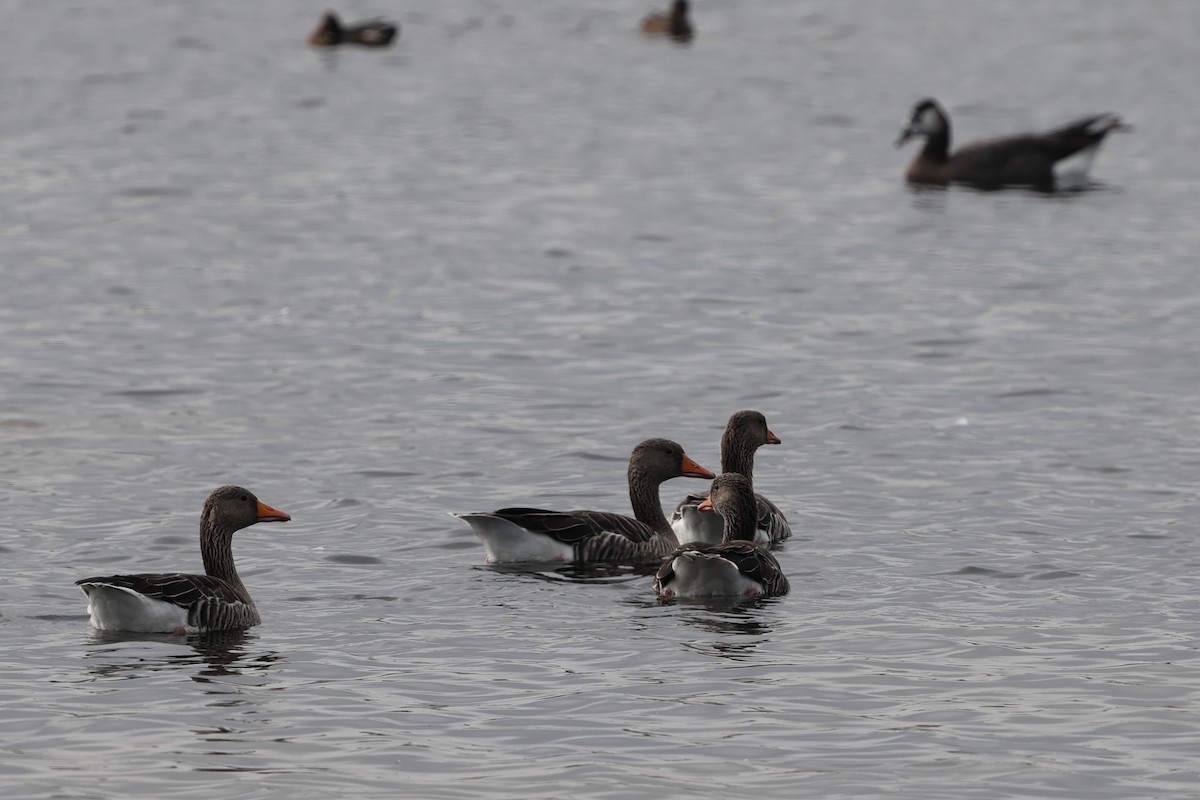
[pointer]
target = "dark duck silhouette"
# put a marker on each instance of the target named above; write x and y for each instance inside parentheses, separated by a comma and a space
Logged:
(1044, 160)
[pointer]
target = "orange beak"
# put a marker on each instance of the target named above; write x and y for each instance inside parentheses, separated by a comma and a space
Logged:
(268, 514)
(706, 505)
(772, 438)
(690, 469)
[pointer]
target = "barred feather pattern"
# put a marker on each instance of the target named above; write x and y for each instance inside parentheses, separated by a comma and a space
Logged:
(596, 536)
(211, 604)
(532, 534)
(168, 602)
(753, 561)
(615, 548)
(574, 527)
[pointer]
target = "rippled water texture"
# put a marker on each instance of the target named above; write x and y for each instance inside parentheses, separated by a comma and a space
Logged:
(472, 271)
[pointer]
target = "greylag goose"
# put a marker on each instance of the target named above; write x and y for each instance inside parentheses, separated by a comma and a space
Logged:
(1039, 160)
(531, 534)
(735, 568)
(179, 603)
(673, 23)
(745, 433)
(372, 33)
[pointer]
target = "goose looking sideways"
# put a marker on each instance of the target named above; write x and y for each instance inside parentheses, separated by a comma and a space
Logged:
(735, 568)
(531, 534)
(179, 603)
(745, 433)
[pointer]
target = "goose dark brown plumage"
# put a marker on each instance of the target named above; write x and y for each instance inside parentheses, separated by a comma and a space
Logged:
(1039, 160)
(745, 432)
(537, 535)
(737, 567)
(182, 603)
(330, 32)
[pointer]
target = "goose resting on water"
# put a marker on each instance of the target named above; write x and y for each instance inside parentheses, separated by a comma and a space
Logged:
(179, 603)
(745, 433)
(531, 534)
(735, 568)
(1039, 160)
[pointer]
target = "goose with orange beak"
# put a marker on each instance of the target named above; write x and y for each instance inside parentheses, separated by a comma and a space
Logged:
(180, 603)
(598, 537)
(737, 567)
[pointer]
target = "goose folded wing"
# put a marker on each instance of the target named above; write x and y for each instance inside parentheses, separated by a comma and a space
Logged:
(573, 527)
(752, 561)
(1048, 147)
(1085, 130)
(995, 155)
(177, 588)
(772, 520)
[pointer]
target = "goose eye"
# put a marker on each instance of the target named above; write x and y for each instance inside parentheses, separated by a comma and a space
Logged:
(245, 499)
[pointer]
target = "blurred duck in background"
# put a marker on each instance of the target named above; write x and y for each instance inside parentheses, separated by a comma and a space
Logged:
(673, 23)
(372, 33)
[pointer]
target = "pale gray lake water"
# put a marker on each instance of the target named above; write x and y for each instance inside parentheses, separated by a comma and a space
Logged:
(472, 271)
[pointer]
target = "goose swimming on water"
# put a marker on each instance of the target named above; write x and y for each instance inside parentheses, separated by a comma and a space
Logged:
(1041, 160)
(531, 534)
(735, 568)
(744, 434)
(180, 603)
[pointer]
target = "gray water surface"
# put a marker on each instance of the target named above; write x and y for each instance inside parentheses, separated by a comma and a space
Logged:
(474, 270)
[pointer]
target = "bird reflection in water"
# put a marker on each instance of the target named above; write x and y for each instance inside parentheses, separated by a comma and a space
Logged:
(220, 654)
(738, 624)
(732, 621)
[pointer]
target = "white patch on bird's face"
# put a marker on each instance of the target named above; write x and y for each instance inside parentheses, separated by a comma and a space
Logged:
(930, 121)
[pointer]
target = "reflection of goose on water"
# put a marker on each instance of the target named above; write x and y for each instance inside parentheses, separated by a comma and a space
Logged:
(219, 653)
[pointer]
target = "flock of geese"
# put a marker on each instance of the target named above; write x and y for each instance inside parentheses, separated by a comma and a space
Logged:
(717, 543)
(727, 535)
